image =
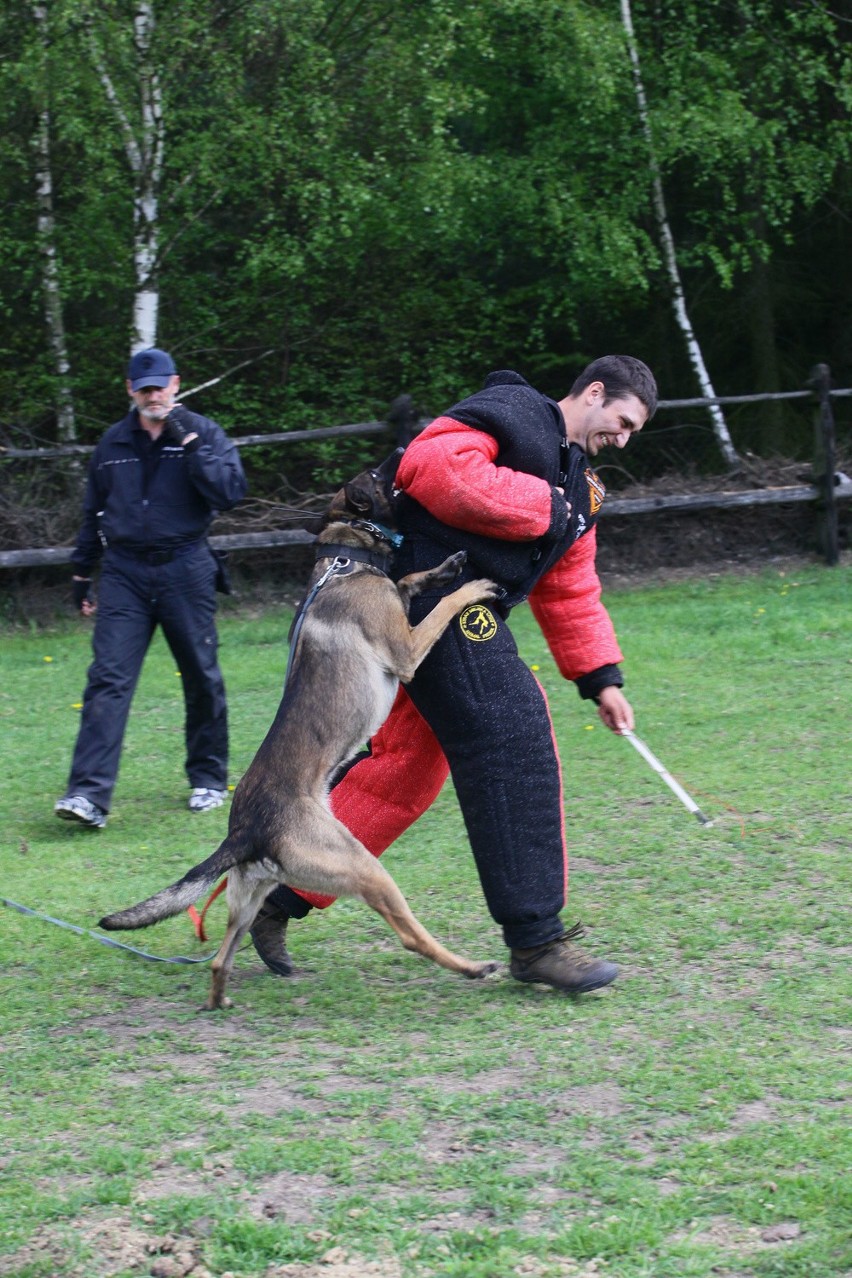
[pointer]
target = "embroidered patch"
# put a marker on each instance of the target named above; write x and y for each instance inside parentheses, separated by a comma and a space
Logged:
(597, 492)
(478, 623)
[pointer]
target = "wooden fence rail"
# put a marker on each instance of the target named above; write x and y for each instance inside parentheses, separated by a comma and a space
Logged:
(829, 488)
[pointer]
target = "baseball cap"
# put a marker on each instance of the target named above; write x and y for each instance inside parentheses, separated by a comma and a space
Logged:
(151, 367)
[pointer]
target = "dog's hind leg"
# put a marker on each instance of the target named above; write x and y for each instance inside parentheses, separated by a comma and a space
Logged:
(339, 865)
(246, 893)
(381, 892)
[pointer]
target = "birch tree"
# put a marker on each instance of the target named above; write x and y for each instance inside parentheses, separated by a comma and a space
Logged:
(143, 143)
(696, 359)
(46, 233)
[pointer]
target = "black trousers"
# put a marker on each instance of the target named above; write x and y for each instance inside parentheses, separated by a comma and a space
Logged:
(134, 597)
(491, 719)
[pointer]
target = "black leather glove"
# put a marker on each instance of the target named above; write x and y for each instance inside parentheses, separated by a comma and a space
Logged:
(81, 591)
(179, 424)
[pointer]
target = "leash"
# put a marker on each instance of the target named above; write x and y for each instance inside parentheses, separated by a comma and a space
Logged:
(198, 919)
(339, 564)
(104, 940)
(336, 566)
(344, 558)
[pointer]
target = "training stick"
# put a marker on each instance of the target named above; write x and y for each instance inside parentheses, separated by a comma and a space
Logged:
(651, 758)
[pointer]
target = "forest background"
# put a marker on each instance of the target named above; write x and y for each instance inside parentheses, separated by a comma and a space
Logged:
(318, 205)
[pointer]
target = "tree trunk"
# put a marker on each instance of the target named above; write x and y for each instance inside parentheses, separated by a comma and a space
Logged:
(54, 318)
(143, 146)
(720, 427)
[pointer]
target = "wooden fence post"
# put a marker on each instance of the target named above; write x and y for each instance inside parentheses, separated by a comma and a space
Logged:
(825, 464)
(403, 420)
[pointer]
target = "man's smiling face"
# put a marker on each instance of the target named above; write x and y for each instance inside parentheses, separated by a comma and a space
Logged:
(594, 424)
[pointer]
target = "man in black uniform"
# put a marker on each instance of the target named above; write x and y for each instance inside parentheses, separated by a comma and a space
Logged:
(155, 482)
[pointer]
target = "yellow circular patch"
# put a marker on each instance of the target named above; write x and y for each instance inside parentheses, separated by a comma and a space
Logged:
(478, 623)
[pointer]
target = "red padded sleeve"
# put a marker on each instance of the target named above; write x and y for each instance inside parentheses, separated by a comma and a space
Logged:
(567, 605)
(450, 470)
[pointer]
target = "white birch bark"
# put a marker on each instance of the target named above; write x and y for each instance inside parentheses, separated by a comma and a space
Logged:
(720, 427)
(46, 224)
(143, 147)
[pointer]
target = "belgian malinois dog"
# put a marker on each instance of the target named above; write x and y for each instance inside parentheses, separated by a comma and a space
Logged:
(351, 646)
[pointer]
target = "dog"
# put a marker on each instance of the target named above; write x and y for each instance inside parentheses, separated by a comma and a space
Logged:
(351, 646)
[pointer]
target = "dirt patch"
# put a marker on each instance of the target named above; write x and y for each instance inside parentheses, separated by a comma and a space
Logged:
(105, 1247)
(115, 1245)
(729, 1235)
(337, 1264)
(600, 1100)
(292, 1197)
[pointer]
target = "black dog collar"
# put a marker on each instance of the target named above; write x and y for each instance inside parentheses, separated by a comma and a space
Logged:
(357, 554)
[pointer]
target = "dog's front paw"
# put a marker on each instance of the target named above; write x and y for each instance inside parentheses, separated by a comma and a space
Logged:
(450, 568)
(485, 589)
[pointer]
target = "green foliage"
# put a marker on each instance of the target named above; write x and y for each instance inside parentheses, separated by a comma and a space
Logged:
(744, 142)
(396, 198)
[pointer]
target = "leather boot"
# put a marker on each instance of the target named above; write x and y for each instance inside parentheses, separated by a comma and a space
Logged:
(562, 965)
(268, 933)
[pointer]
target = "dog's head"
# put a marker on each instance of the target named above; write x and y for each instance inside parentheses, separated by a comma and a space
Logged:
(369, 496)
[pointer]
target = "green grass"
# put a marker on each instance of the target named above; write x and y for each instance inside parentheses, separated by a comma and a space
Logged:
(380, 1109)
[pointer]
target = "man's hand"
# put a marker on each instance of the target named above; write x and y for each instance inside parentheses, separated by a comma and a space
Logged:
(561, 492)
(178, 425)
(615, 710)
(81, 591)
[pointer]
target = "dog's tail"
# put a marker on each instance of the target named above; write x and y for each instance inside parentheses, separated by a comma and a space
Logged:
(179, 896)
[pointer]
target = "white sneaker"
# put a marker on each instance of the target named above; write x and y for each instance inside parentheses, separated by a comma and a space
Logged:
(202, 800)
(74, 807)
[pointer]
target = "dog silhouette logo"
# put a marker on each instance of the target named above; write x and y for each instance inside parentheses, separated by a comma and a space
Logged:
(478, 623)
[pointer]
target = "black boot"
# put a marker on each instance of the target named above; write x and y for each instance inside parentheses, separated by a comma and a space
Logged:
(268, 933)
(269, 929)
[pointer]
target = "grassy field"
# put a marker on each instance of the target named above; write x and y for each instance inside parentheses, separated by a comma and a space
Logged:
(380, 1116)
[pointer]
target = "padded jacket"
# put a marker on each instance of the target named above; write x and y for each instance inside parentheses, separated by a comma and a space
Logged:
(483, 477)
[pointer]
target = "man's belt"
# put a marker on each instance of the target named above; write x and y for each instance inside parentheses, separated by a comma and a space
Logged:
(156, 558)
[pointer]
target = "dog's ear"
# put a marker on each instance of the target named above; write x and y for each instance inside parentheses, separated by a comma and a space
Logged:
(359, 495)
(386, 472)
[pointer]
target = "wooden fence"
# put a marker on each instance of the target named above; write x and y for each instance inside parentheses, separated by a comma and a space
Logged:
(403, 424)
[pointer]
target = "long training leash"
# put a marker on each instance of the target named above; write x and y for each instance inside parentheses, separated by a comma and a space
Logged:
(104, 940)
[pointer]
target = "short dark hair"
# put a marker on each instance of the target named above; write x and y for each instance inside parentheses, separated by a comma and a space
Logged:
(621, 375)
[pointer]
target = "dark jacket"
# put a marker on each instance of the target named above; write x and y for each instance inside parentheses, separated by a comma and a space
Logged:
(488, 498)
(145, 495)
